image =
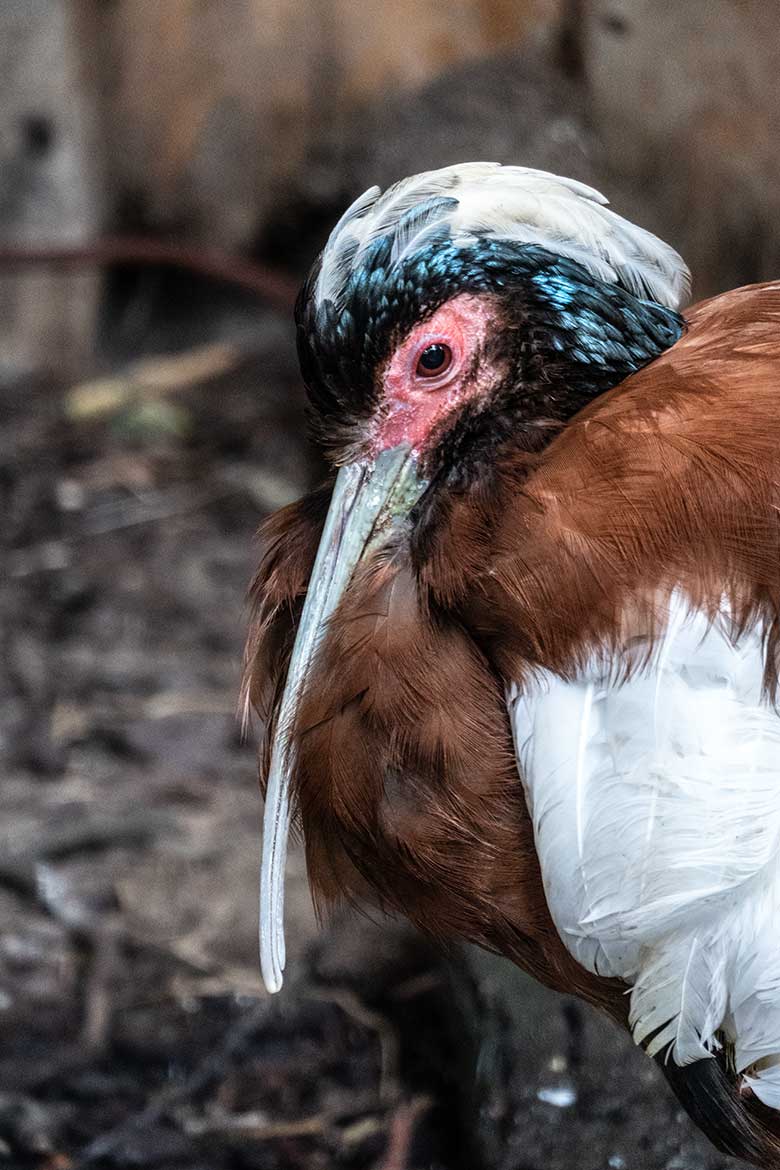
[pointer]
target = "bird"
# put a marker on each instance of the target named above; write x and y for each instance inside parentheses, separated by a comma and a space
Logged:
(516, 662)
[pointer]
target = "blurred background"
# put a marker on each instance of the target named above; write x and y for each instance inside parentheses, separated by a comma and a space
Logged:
(168, 170)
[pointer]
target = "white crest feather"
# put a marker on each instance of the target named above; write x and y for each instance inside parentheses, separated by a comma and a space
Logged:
(487, 200)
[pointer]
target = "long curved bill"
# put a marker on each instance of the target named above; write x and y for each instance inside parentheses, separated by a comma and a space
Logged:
(367, 498)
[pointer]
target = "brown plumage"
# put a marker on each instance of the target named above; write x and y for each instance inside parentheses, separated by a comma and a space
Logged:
(405, 779)
(406, 774)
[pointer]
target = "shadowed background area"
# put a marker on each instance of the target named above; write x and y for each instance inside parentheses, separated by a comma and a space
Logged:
(167, 173)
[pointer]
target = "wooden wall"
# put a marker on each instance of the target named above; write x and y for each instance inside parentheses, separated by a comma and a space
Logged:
(51, 187)
(196, 117)
(211, 106)
(211, 109)
(189, 117)
(686, 98)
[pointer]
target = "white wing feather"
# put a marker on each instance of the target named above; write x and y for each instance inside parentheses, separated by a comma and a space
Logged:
(656, 808)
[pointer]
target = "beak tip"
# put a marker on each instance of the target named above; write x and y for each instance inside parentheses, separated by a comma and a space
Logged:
(273, 978)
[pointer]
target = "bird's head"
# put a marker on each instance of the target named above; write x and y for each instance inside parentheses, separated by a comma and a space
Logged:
(477, 301)
(459, 310)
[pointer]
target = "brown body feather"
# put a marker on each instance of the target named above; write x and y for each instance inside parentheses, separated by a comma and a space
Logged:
(406, 780)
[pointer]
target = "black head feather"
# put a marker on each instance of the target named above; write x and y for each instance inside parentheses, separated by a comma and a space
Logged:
(567, 336)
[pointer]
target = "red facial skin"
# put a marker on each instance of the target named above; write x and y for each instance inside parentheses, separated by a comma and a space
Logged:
(413, 404)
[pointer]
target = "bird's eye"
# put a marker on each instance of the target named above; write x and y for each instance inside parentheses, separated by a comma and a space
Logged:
(434, 360)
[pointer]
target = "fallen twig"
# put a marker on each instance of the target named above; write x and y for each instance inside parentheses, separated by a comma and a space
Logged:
(389, 1043)
(97, 1018)
(208, 1070)
(154, 509)
(255, 1126)
(401, 1135)
(19, 871)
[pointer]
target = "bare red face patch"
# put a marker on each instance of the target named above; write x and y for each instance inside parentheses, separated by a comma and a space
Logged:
(433, 372)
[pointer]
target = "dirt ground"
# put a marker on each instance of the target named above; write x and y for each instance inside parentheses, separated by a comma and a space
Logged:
(134, 1030)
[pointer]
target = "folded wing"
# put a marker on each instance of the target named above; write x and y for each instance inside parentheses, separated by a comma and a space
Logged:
(655, 797)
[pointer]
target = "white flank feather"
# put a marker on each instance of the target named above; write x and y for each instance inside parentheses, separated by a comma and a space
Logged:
(473, 200)
(657, 821)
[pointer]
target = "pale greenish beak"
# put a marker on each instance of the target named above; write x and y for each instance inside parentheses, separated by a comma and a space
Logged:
(367, 498)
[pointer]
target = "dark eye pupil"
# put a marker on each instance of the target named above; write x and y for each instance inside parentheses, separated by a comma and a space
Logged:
(433, 358)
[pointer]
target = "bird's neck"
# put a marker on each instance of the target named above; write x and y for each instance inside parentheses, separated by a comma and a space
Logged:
(580, 336)
(568, 339)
